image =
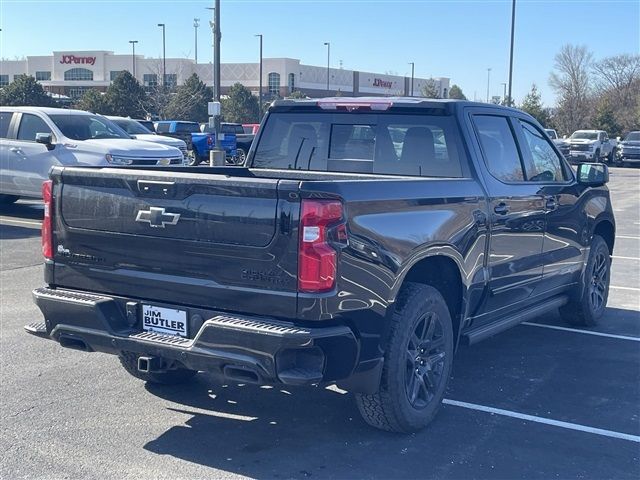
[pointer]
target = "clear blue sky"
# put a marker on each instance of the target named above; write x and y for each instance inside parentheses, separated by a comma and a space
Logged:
(456, 39)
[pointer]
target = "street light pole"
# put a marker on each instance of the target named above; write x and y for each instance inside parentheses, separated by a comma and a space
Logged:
(513, 25)
(328, 63)
(196, 24)
(504, 92)
(164, 55)
(413, 66)
(260, 78)
(488, 81)
(133, 56)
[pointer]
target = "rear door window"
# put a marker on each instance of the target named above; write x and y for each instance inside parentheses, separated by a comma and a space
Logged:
(499, 148)
(30, 125)
(5, 121)
(390, 144)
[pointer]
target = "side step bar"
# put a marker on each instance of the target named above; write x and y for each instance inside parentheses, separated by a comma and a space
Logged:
(38, 329)
(485, 331)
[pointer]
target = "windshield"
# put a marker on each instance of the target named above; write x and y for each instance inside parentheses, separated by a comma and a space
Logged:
(632, 137)
(390, 144)
(585, 135)
(132, 127)
(87, 127)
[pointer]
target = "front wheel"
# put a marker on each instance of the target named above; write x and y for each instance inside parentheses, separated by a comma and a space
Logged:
(417, 363)
(193, 158)
(589, 303)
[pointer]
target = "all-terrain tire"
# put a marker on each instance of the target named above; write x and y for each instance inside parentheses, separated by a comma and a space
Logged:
(391, 407)
(129, 361)
(588, 304)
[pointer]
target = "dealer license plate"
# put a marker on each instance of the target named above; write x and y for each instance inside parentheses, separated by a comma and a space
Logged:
(164, 320)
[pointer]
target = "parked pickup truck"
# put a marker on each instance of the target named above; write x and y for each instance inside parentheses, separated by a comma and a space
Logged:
(591, 145)
(242, 139)
(561, 144)
(198, 143)
(335, 255)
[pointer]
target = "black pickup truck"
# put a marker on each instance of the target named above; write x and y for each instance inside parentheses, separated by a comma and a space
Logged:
(361, 244)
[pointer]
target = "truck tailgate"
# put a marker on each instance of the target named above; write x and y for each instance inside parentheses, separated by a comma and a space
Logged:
(209, 240)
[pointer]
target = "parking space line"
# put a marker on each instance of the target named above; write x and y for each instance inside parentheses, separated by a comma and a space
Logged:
(578, 330)
(24, 222)
(628, 236)
(624, 258)
(633, 289)
(543, 420)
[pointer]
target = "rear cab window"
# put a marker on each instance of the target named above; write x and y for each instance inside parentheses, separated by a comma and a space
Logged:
(184, 127)
(408, 144)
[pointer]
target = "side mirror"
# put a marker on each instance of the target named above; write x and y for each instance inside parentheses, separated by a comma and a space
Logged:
(45, 139)
(593, 174)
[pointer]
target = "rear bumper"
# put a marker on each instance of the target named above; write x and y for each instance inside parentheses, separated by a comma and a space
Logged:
(258, 350)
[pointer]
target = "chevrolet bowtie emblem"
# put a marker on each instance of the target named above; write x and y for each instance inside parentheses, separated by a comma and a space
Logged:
(157, 217)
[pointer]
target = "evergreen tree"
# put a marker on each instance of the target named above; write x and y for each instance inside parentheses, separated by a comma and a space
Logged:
(25, 91)
(126, 97)
(190, 101)
(456, 92)
(240, 106)
(532, 104)
(430, 89)
(93, 101)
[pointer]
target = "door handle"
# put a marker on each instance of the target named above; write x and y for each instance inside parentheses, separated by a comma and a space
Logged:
(551, 203)
(501, 209)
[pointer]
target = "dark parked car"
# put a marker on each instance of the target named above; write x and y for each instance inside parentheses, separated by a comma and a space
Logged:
(364, 240)
(628, 151)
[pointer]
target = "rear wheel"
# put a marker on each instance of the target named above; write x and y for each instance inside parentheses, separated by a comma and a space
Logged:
(596, 157)
(8, 199)
(589, 304)
(417, 364)
(129, 361)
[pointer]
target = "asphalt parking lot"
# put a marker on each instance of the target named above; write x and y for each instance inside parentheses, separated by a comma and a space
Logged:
(542, 400)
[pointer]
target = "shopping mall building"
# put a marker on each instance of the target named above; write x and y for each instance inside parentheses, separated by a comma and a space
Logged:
(72, 73)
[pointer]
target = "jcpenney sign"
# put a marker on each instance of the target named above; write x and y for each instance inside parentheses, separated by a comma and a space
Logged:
(80, 60)
(378, 82)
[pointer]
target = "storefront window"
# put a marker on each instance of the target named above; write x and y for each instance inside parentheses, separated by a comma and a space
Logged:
(292, 82)
(150, 80)
(77, 92)
(274, 83)
(170, 80)
(78, 74)
(43, 76)
(4, 80)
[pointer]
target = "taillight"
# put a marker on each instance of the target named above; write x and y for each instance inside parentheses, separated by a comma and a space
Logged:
(47, 227)
(317, 258)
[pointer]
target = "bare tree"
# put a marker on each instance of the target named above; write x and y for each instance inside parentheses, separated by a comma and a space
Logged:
(618, 81)
(571, 79)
